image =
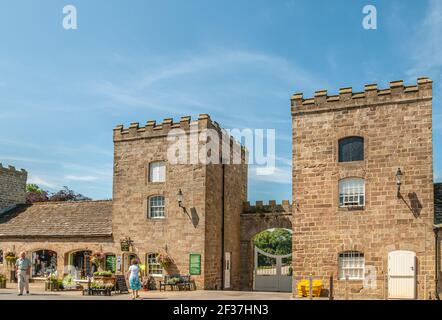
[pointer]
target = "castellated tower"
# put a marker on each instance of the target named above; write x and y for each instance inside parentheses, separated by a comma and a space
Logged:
(351, 220)
(146, 183)
(12, 187)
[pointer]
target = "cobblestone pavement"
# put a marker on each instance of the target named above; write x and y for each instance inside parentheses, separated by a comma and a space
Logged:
(37, 293)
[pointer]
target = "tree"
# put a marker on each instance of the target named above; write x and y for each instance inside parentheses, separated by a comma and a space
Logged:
(276, 241)
(35, 194)
(67, 194)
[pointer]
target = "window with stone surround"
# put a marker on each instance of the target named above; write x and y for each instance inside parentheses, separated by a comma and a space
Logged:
(351, 149)
(351, 264)
(1, 256)
(154, 268)
(157, 171)
(157, 207)
(352, 192)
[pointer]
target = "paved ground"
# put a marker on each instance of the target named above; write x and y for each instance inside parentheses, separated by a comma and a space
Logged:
(38, 293)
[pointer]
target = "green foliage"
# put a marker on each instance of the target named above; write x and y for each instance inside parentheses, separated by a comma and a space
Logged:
(32, 187)
(103, 273)
(277, 242)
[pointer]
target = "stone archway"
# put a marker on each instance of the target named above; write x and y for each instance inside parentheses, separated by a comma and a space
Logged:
(254, 220)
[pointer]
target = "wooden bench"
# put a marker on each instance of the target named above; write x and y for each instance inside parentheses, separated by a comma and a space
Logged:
(184, 282)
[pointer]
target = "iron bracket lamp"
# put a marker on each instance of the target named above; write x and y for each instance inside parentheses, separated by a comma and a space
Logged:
(179, 198)
(399, 175)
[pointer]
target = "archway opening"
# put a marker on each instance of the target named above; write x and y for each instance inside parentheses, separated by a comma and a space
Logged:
(44, 263)
(272, 270)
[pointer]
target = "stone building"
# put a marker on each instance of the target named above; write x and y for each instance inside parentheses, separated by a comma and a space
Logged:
(12, 187)
(187, 212)
(350, 220)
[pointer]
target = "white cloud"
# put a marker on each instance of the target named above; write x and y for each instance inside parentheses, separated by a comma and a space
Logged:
(191, 85)
(80, 178)
(281, 175)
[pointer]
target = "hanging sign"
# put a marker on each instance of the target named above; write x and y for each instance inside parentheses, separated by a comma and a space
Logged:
(126, 244)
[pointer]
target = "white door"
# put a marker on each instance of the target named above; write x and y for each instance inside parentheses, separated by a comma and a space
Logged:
(227, 268)
(402, 275)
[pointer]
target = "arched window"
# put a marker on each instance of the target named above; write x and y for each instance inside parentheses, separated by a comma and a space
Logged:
(352, 192)
(157, 207)
(351, 149)
(351, 265)
(154, 267)
(157, 171)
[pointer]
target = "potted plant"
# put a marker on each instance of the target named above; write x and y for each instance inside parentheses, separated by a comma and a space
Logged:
(103, 274)
(68, 283)
(2, 281)
(10, 258)
(53, 283)
(164, 259)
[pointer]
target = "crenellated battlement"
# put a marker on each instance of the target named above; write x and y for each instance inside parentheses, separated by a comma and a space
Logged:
(272, 207)
(153, 130)
(370, 96)
(12, 170)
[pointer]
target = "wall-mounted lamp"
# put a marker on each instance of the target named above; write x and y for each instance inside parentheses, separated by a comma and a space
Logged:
(399, 175)
(179, 199)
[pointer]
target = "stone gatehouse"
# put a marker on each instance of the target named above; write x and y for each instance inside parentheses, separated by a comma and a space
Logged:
(363, 197)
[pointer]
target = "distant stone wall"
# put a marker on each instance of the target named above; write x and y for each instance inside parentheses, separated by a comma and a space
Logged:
(12, 187)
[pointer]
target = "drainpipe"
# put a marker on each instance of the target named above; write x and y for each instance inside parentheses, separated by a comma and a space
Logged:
(222, 227)
(436, 230)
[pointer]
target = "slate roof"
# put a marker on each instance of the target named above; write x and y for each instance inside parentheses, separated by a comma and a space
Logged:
(438, 203)
(58, 219)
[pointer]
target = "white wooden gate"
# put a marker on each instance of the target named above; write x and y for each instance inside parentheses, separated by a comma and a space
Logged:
(402, 275)
(275, 275)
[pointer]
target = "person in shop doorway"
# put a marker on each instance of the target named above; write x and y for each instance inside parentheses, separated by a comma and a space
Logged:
(133, 275)
(23, 271)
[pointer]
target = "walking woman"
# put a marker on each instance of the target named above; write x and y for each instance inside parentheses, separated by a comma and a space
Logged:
(134, 278)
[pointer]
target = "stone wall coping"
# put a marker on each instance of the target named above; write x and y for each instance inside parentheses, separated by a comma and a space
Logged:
(12, 169)
(271, 207)
(371, 95)
(69, 202)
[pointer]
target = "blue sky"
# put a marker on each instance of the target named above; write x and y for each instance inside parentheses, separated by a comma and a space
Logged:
(63, 91)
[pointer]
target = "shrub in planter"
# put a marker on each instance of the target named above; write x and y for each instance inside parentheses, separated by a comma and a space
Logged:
(2, 281)
(53, 283)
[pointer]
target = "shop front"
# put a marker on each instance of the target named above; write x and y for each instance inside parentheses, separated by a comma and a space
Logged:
(79, 264)
(44, 263)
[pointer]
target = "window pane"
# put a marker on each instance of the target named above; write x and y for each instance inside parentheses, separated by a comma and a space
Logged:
(157, 172)
(156, 207)
(351, 149)
(351, 263)
(154, 267)
(352, 192)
